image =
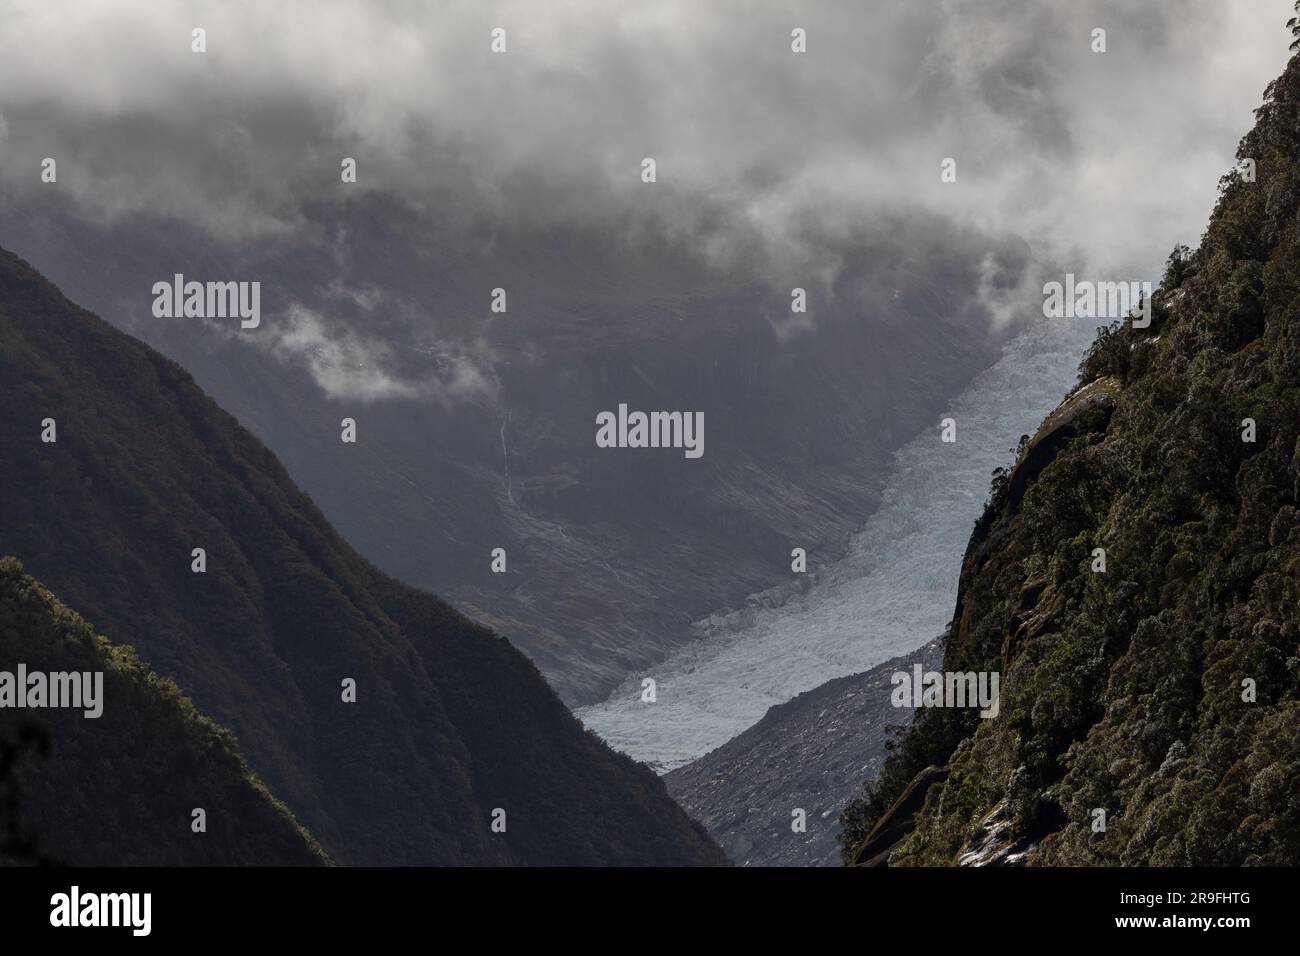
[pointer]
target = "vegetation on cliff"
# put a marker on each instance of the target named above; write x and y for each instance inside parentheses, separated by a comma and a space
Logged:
(121, 788)
(1129, 690)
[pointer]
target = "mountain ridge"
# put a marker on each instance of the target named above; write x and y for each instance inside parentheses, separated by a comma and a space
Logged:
(1133, 579)
(146, 468)
(121, 788)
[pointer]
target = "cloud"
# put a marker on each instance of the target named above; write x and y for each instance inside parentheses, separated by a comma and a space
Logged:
(346, 365)
(764, 156)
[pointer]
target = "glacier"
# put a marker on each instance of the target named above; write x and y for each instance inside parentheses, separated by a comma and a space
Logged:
(894, 589)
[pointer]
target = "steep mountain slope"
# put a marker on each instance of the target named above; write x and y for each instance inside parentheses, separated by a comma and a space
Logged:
(1163, 691)
(449, 722)
(120, 788)
(811, 753)
(477, 429)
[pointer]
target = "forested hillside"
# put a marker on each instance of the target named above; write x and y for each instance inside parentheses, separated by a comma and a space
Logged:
(449, 723)
(121, 788)
(1164, 690)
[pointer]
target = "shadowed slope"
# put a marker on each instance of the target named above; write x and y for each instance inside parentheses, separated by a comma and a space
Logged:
(449, 721)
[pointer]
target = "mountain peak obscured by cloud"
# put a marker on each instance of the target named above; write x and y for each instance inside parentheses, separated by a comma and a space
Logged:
(1097, 153)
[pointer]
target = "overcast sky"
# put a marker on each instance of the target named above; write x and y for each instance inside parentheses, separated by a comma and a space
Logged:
(1105, 159)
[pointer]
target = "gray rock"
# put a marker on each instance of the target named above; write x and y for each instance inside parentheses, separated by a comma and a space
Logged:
(812, 753)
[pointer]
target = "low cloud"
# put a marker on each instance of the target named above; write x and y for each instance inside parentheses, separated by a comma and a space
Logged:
(346, 365)
(767, 159)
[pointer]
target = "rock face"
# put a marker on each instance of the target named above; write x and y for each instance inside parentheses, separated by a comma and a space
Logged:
(812, 753)
(1135, 580)
(995, 843)
(900, 819)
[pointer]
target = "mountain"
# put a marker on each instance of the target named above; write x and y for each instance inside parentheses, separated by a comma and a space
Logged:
(396, 730)
(1150, 707)
(811, 753)
(477, 429)
(120, 788)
